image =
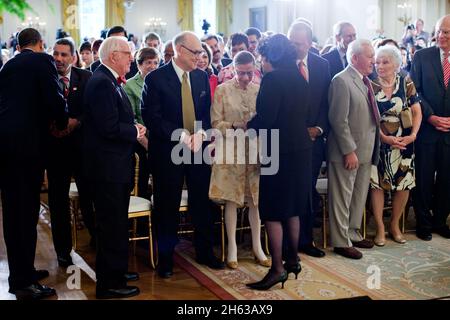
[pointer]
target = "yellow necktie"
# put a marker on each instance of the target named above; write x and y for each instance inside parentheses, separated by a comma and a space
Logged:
(188, 105)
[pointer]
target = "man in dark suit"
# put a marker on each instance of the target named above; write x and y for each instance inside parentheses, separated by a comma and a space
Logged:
(65, 154)
(109, 137)
(345, 33)
(118, 31)
(316, 72)
(218, 61)
(431, 73)
(30, 99)
(174, 97)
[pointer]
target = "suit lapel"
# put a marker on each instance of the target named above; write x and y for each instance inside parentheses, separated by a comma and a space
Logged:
(359, 83)
(437, 65)
(74, 83)
(311, 68)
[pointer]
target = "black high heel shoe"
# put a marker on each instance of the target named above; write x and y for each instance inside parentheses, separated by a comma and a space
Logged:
(295, 269)
(266, 283)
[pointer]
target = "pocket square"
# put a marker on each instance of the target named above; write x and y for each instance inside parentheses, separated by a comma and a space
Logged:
(202, 94)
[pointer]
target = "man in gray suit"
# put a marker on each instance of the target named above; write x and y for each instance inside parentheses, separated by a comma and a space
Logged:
(353, 146)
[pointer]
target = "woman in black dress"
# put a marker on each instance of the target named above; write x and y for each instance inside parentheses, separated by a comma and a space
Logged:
(282, 108)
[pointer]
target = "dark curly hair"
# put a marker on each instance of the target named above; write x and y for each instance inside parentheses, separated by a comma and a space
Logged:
(279, 51)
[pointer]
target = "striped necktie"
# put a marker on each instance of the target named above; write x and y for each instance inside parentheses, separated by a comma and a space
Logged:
(446, 68)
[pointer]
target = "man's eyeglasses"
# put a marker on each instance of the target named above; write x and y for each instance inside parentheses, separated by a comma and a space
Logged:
(195, 53)
(243, 73)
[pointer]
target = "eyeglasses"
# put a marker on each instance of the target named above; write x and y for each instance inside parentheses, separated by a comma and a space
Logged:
(128, 53)
(445, 33)
(195, 53)
(243, 73)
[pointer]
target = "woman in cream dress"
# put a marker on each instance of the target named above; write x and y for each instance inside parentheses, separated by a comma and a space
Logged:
(236, 180)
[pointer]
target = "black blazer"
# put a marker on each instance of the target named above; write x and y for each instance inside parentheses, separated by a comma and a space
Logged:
(30, 99)
(334, 59)
(109, 130)
(133, 70)
(282, 104)
(95, 65)
(161, 104)
(428, 77)
(319, 83)
(225, 62)
(75, 100)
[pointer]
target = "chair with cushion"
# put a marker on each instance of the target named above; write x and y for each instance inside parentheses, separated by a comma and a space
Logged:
(141, 208)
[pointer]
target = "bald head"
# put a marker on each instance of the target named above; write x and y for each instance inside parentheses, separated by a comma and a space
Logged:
(443, 33)
(188, 48)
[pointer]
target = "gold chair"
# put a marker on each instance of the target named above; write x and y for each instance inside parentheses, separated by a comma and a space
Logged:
(322, 189)
(74, 200)
(186, 228)
(141, 208)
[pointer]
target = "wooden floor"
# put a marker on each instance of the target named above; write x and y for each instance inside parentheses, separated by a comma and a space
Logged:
(180, 287)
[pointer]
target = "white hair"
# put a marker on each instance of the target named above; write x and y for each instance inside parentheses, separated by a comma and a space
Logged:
(110, 45)
(392, 53)
(357, 47)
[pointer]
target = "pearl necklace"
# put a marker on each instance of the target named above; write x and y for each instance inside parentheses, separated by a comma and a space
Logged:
(388, 85)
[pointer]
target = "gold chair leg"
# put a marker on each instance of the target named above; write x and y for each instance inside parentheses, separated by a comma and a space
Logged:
(403, 220)
(364, 222)
(324, 222)
(134, 235)
(150, 243)
(266, 242)
(74, 209)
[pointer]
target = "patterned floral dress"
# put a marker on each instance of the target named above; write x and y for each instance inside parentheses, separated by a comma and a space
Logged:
(239, 179)
(395, 171)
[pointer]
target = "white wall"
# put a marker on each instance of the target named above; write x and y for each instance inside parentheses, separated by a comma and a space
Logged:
(367, 15)
(322, 13)
(50, 14)
(145, 9)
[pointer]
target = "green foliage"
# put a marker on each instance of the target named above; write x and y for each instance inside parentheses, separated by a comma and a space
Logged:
(16, 7)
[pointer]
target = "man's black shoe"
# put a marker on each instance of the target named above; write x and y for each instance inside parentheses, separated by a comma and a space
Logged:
(35, 291)
(312, 251)
(117, 293)
(212, 262)
(164, 272)
(131, 276)
(65, 261)
(443, 232)
(40, 274)
(424, 235)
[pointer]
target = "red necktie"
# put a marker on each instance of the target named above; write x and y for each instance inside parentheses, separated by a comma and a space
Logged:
(373, 104)
(121, 80)
(303, 72)
(446, 68)
(65, 82)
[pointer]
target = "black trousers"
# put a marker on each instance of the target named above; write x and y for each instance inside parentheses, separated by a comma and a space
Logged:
(432, 192)
(307, 217)
(20, 183)
(64, 162)
(111, 202)
(168, 181)
(144, 172)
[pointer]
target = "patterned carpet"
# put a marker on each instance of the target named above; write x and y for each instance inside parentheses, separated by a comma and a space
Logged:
(416, 270)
